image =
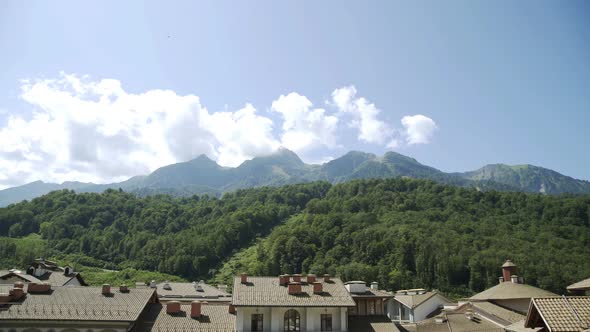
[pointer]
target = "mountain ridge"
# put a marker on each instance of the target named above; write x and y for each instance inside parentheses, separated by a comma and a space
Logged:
(202, 175)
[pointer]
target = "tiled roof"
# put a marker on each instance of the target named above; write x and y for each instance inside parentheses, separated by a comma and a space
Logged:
(266, 291)
(57, 278)
(187, 290)
(457, 322)
(79, 303)
(372, 324)
(500, 312)
(412, 301)
(214, 318)
(561, 313)
(580, 285)
(511, 290)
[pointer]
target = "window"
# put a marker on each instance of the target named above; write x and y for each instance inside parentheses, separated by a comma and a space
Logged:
(292, 321)
(257, 322)
(326, 322)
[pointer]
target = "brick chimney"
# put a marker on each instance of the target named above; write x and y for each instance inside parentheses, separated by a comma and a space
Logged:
(244, 277)
(232, 309)
(16, 293)
(106, 289)
(123, 288)
(173, 307)
(508, 269)
(318, 287)
(283, 280)
(294, 288)
(43, 287)
(196, 309)
(311, 278)
(297, 277)
(326, 277)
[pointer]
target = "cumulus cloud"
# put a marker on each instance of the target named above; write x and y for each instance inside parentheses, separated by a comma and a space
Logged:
(95, 131)
(365, 116)
(304, 127)
(418, 129)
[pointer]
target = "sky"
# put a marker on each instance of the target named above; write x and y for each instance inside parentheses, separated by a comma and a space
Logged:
(102, 91)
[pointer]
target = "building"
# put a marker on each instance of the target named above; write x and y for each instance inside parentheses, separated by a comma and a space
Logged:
(511, 292)
(291, 303)
(580, 287)
(42, 270)
(188, 292)
(196, 316)
(32, 306)
(414, 305)
(559, 314)
(370, 301)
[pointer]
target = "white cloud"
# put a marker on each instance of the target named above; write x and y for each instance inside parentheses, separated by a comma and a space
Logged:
(364, 115)
(95, 131)
(304, 128)
(418, 129)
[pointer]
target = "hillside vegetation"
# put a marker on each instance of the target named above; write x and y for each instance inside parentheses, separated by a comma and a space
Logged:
(403, 233)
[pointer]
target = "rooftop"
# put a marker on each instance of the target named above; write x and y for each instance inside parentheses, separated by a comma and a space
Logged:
(511, 290)
(79, 304)
(191, 291)
(580, 285)
(372, 293)
(267, 292)
(372, 324)
(560, 314)
(414, 300)
(214, 318)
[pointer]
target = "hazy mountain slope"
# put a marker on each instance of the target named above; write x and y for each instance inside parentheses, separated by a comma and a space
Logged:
(529, 178)
(203, 175)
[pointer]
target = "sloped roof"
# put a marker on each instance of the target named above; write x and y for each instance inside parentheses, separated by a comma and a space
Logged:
(371, 324)
(457, 322)
(25, 277)
(560, 314)
(187, 290)
(214, 318)
(267, 292)
(580, 285)
(412, 301)
(500, 312)
(80, 304)
(511, 290)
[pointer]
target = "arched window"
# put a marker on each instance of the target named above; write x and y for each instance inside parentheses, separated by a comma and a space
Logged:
(292, 321)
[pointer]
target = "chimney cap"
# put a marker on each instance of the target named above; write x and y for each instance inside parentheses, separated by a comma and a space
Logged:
(508, 263)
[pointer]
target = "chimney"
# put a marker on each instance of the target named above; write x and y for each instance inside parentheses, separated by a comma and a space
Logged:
(196, 309)
(374, 285)
(173, 307)
(106, 289)
(43, 287)
(508, 269)
(326, 277)
(16, 293)
(232, 309)
(283, 280)
(244, 277)
(123, 288)
(514, 279)
(294, 288)
(317, 287)
(153, 284)
(297, 277)
(500, 280)
(311, 278)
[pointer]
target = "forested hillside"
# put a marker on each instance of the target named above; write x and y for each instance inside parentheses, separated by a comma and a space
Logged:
(403, 233)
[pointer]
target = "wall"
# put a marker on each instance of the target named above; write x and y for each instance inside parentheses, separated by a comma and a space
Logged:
(310, 319)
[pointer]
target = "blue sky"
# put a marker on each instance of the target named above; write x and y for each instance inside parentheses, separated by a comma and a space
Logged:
(106, 90)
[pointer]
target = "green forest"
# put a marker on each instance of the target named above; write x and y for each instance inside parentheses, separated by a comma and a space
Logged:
(402, 233)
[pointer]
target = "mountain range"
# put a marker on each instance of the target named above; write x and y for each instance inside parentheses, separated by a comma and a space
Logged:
(204, 176)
